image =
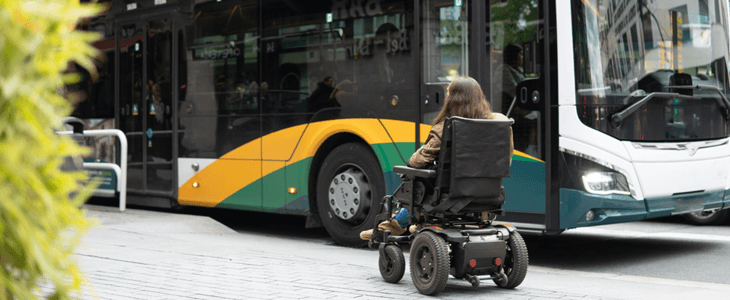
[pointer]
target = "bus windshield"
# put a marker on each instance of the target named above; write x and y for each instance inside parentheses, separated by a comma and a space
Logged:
(626, 50)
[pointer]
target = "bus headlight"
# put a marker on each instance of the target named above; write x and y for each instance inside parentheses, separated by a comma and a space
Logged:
(605, 183)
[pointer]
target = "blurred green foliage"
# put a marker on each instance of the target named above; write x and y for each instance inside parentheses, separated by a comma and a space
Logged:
(40, 217)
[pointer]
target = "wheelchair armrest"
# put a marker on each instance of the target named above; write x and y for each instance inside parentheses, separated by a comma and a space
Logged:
(424, 173)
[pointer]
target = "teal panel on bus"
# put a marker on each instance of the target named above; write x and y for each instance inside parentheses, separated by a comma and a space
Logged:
(247, 198)
(297, 175)
(607, 209)
(680, 204)
(726, 199)
(525, 188)
(274, 190)
(389, 155)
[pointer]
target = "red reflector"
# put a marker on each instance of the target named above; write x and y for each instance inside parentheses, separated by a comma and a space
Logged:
(472, 263)
(497, 261)
(183, 86)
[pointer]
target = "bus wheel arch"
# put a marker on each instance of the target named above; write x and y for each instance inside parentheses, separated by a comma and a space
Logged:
(345, 155)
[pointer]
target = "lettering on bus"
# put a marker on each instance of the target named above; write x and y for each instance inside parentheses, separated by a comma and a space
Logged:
(395, 42)
(213, 53)
(344, 9)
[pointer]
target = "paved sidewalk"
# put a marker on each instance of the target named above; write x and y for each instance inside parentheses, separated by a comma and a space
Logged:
(142, 254)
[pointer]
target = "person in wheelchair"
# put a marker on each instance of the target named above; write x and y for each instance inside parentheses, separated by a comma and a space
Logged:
(464, 98)
(451, 192)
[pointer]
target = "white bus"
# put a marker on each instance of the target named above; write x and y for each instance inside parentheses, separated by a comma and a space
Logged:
(620, 105)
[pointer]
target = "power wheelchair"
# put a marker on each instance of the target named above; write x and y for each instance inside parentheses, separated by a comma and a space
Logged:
(454, 207)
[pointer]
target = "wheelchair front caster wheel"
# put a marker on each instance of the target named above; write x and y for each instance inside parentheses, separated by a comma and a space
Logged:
(501, 279)
(392, 263)
(473, 280)
(515, 263)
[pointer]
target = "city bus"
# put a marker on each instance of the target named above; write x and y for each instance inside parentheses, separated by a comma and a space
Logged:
(304, 107)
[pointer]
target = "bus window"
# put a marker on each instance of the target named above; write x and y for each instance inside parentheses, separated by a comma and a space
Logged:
(159, 88)
(514, 35)
(223, 85)
(619, 63)
(340, 59)
(445, 49)
(94, 98)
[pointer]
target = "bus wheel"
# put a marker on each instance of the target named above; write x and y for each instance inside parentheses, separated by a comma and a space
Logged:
(708, 217)
(349, 181)
(515, 263)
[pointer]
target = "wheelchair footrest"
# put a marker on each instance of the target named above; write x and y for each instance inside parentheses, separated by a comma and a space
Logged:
(397, 239)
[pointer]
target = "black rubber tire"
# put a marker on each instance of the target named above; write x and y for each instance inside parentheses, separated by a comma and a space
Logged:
(515, 263)
(345, 156)
(430, 263)
(392, 264)
(714, 218)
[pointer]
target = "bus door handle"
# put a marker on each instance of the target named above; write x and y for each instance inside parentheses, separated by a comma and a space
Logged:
(523, 94)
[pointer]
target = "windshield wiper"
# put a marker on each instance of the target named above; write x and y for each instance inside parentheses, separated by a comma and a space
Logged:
(618, 117)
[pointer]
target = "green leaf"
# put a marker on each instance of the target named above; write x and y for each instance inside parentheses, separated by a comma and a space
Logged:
(40, 221)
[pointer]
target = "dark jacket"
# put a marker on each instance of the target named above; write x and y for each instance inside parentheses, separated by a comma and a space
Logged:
(322, 97)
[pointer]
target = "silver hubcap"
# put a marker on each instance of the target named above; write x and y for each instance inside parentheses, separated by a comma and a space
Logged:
(347, 193)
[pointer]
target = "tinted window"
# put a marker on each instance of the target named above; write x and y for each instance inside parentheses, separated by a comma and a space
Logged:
(220, 89)
(627, 52)
(445, 50)
(340, 59)
(95, 96)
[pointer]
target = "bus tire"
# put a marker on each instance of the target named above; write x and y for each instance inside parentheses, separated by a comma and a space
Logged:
(708, 217)
(349, 184)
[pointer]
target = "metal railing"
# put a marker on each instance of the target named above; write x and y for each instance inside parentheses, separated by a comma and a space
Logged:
(120, 170)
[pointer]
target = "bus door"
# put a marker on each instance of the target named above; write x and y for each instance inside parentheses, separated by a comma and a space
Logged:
(145, 103)
(516, 87)
(497, 43)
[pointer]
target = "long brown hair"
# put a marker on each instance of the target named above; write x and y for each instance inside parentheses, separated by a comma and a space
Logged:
(464, 98)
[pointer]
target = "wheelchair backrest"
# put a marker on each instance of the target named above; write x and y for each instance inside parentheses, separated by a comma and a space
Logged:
(474, 157)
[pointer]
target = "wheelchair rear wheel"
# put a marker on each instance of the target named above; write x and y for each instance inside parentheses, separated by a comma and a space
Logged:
(392, 264)
(515, 263)
(430, 263)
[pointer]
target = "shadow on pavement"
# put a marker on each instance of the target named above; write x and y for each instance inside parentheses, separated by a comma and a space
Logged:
(590, 253)
(271, 224)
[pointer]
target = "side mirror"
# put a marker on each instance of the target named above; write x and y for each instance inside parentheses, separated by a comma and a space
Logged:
(530, 94)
